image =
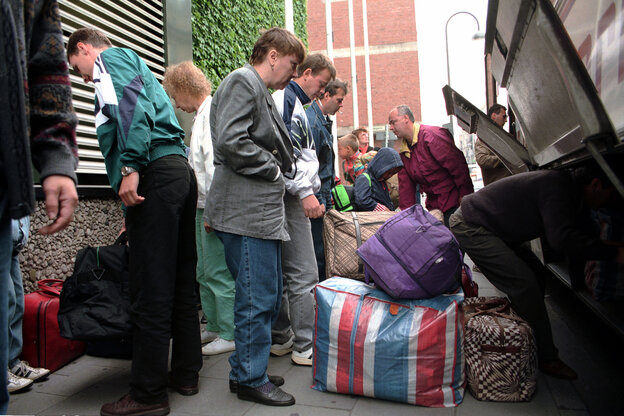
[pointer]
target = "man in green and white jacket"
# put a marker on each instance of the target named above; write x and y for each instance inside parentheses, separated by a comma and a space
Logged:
(145, 158)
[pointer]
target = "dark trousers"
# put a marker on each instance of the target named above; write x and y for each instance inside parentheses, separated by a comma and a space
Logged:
(161, 233)
(508, 268)
(319, 246)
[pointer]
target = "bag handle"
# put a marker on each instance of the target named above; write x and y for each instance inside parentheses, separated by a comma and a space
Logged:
(122, 239)
(500, 307)
(51, 287)
(358, 239)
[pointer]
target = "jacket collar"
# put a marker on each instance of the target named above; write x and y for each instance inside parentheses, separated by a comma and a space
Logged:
(327, 122)
(303, 97)
(205, 104)
(406, 148)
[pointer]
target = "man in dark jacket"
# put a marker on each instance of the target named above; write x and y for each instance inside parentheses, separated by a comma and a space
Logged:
(321, 128)
(492, 225)
(371, 192)
(491, 166)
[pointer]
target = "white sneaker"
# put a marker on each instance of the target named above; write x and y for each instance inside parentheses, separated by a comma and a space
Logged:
(282, 349)
(302, 358)
(22, 369)
(208, 336)
(218, 346)
(15, 383)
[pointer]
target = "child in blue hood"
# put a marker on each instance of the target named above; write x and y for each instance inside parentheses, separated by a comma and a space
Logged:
(371, 191)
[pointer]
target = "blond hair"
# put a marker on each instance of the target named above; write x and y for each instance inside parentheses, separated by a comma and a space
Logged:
(186, 78)
(349, 140)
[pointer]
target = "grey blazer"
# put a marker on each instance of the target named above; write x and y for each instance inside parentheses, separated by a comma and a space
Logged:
(251, 148)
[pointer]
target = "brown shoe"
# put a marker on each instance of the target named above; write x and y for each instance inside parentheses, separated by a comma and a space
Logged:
(184, 390)
(189, 390)
(127, 406)
(557, 368)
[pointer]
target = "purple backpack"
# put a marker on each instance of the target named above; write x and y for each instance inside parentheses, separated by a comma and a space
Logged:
(413, 256)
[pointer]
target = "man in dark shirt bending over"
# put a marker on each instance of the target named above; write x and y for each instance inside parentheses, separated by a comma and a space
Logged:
(492, 224)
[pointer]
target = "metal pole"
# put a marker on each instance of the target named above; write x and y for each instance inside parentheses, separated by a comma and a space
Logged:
(288, 15)
(448, 66)
(329, 35)
(356, 120)
(369, 95)
(329, 38)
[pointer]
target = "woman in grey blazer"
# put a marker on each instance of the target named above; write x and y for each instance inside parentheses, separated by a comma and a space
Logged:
(245, 204)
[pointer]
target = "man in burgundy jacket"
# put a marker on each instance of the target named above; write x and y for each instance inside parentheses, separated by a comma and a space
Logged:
(431, 160)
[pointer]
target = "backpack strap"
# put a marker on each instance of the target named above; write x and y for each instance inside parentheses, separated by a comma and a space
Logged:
(342, 201)
(368, 177)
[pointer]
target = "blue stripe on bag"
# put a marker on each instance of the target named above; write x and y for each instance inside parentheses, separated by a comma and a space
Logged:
(322, 336)
(393, 372)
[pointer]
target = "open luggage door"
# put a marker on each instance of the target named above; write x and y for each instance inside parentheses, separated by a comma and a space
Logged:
(559, 114)
(564, 115)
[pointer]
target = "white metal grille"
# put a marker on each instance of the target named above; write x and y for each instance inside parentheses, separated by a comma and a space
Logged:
(137, 25)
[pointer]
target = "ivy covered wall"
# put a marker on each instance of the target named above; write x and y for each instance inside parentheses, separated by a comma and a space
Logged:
(224, 31)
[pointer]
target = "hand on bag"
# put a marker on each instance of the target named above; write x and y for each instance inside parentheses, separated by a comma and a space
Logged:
(311, 207)
(128, 190)
(207, 227)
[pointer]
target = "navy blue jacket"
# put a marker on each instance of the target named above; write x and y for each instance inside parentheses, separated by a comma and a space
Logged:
(320, 127)
(369, 193)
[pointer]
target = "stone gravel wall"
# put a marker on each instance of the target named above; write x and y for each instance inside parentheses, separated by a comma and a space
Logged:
(96, 222)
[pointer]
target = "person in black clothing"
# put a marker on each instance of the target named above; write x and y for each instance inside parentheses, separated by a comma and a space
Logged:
(492, 225)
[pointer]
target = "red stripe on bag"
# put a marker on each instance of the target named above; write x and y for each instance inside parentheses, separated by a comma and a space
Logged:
(358, 347)
(344, 340)
(430, 359)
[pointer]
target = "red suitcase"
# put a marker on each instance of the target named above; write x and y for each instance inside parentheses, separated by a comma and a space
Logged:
(43, 344)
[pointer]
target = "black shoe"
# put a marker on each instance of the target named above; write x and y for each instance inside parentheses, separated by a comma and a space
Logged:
(276, 397)
(276, 380)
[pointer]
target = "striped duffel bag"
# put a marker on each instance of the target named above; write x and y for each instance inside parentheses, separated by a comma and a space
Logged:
(367, 343)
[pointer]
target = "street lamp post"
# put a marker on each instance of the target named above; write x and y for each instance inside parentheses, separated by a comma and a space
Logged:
(448, 66)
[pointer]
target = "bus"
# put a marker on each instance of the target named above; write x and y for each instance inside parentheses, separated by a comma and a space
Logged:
(562, 64)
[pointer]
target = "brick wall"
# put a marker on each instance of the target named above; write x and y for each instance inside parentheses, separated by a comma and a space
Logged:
(393, 58)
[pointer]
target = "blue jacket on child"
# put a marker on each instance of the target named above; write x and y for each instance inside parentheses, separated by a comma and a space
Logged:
(369, 190)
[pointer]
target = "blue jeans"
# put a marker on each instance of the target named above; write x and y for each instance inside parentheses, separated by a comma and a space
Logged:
(16, 291)
(6, 253)
(256, 267)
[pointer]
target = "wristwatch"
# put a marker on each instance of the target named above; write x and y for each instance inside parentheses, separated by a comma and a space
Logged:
(127, 170)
